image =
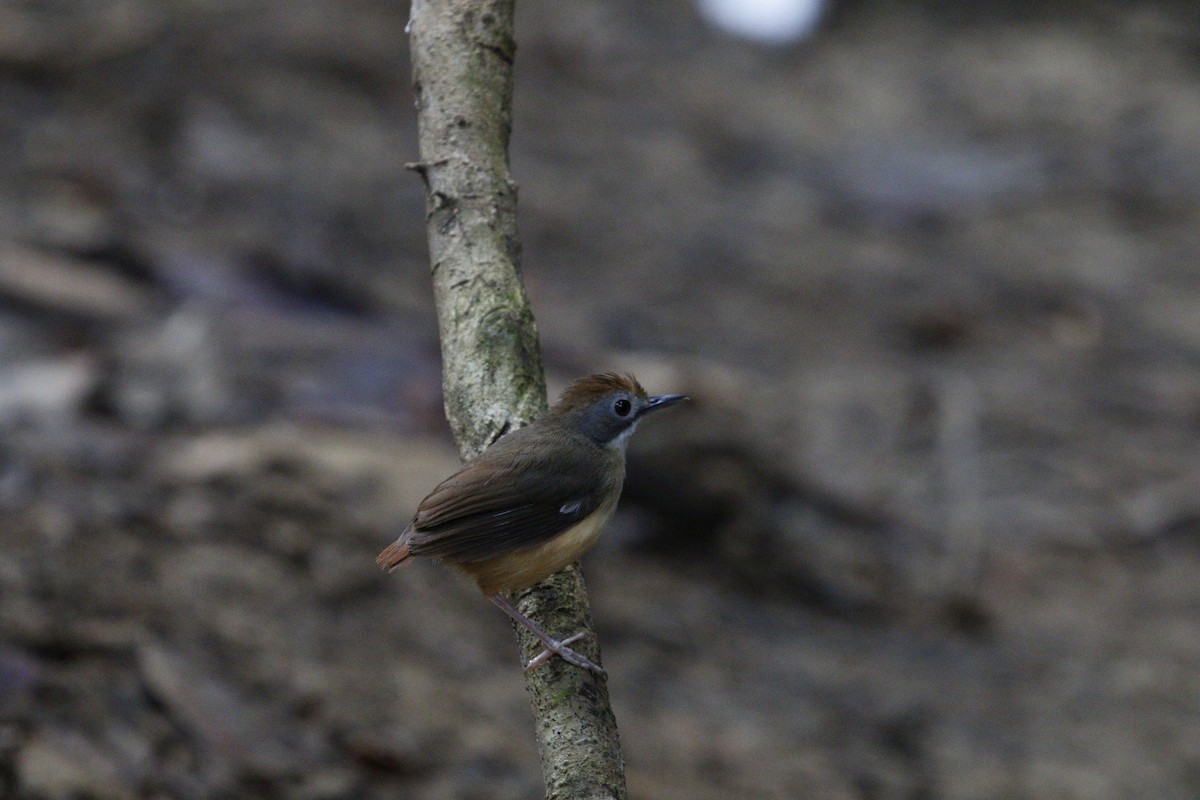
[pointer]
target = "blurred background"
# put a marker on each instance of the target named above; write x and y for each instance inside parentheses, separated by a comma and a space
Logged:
(930, 529)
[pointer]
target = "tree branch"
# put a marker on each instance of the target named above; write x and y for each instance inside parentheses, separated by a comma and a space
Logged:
(462, 54)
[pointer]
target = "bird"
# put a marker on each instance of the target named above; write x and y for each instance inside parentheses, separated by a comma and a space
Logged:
(535, 500)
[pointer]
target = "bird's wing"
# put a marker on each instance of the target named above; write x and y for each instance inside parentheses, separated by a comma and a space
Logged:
(504, 501)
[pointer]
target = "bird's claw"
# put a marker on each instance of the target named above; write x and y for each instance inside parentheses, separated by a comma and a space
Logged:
(560, 648)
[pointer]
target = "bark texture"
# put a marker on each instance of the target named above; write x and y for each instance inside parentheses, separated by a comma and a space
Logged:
(462, 54)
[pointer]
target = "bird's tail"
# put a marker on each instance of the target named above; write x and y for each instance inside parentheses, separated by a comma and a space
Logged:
(394, 555)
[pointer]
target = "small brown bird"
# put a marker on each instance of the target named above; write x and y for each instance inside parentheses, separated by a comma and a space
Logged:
(534, 501)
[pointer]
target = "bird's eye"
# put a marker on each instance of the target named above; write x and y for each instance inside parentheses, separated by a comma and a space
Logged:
(622, 407)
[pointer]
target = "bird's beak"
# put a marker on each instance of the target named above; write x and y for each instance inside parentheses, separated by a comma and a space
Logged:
(660, 401)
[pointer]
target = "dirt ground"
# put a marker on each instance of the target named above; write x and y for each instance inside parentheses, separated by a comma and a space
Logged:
(931, 528)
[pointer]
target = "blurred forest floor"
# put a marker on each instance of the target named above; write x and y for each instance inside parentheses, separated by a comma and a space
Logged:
(931, 528)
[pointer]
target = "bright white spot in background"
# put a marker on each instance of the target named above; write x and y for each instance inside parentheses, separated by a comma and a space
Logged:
(768, 21)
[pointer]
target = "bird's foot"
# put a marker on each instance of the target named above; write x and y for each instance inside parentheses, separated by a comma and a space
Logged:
(553, 646)
(559, 648)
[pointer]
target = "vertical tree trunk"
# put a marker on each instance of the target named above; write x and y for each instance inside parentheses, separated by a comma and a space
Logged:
(462, 54)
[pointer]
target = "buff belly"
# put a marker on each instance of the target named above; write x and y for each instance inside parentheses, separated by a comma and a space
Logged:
(523, 568)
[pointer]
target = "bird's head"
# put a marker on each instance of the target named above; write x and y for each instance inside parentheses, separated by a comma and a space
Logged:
(607, 407)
